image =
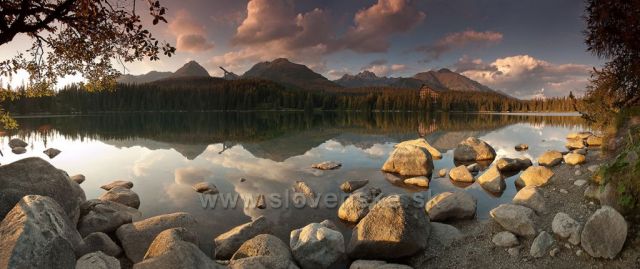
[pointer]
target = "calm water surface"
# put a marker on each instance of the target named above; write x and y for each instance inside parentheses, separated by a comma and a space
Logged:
(165, 153)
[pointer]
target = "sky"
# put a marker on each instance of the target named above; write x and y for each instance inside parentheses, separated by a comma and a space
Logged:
(526, 48)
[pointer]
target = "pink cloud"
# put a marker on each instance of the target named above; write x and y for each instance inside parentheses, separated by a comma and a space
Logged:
(190, 35)
(458, 40)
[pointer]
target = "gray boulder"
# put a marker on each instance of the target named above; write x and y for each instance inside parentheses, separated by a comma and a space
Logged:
(137, 236)
(104, 216)
(566, 227)
(17, 142)
(604, 233)
(97, 260)
(175, 248)
(123, 196)
(541, 245)
(263, 245)
(394, 228)
(531, 197)
(229, 242)
(514, 218)
(317, 246)
(492, 181)
(450, 206)
(205, 188)
(352, 185)
(117, 183)
(357, 205)
(409, 160)
(37, 233)
(461, 174)
(101, 242)
(473, 149)
(51, 152)
(35, 176)
(550, 158)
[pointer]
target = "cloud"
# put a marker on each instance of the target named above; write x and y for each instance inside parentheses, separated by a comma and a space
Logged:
(459, 40)
(382, 69)
(524, 76)
(375, 25)
(190, 35)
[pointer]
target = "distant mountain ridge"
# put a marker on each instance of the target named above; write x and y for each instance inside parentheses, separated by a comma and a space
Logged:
(290, 75)
(190, 69)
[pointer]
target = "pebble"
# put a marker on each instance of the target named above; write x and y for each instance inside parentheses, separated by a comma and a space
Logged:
(566, 245)
(514, 252)
(554, 252)
(578, 173)
(579, 252)
(564, 191)
(577, 166)
(580, 182)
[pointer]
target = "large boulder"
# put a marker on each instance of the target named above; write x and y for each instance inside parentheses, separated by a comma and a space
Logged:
(352, 185)
(409, 160)
(395, 227)
(566, 227)
(574, 159)
(604, 233)
(357, 205)
(421, 142)
(137, 236)
(449, 206)
(100, 242)
(492, 181)
(531, 197)
(17, 142)
(535, 176)
(123, 196)
(35, 176)
(263, 245)
(229, 242)
(541, 245)
(317, 246)
(97, 260)
(263, 262)
(473, 149)
(508, 164)
(117, 183)
(175, 248)
(104, 216)
(514, 218)
(461, 174)
(37, 233)
(575, 144)
(550, 158)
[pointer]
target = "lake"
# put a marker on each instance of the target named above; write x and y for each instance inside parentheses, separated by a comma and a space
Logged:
(164, 154)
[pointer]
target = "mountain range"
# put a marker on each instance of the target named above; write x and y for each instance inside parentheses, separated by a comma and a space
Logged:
(298, 76)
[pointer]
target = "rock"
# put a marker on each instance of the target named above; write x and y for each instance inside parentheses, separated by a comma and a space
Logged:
(505, 239)
(409, 160)
(117, 183)
(573, 136)
(592, 192)
(492, 180)
(101, 242)
(17, 142)
(566, 227)
(78, 178)
(541, 245)
(263, 245)
(51, 152)
(450, 206)
(514, 218)
(443, 172)
(421, 142)
(580, 151)
(514, 252)
(262, 202)
(536, 176)
(530, 197)
(554, 252)
(329, 224)
(580, 182)
(563, 191)
(206, 188)
(352, 185)
(420, 181)
(521, 147)
(473, 149)
(302, 187)
(175, 248)
(123, 196)
(97, 260)
(316, 246)
(137, 236)
(593, 168)
(263, 262)
(36, 176)
(584, 135)
(508, 164)
(579, 252)
(594, 141)
(328, 165)
(357, 205)
(461, 174)
(574, 159)
(473, 168)
(229, 242)
(393, 179)
(609, 196)
(604, 233)
(550, 158)
(373, 264)
(574, 144)
(444, 234)
(104, 216)
(578, 173)
(394, 228)
(37, 233)
(19, 150)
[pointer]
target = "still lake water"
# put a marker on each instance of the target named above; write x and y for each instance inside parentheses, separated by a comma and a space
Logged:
(165, 153)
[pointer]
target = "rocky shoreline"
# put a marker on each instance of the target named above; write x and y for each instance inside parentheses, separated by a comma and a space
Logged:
(559, 218)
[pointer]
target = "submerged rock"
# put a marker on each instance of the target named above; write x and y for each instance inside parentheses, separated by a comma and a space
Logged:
(492, 180)
(123, 196)
(604, 233)
(17, 142)
(117, 183)
(229, 242)
(461, 174)
(352, 185)
(409, 160)
(449, 205)
(550, 158)
(508, 164)
(515, 218)
(302, 187)
(357, 205)
(51, 152)
(206, 188)
(317, 246)
(473, 149)
(421, 181)
(328, 165)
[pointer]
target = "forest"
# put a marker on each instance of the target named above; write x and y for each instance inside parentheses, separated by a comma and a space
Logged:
(214, 94)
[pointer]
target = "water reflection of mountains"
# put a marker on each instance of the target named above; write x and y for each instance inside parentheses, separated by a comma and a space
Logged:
(276, 136)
